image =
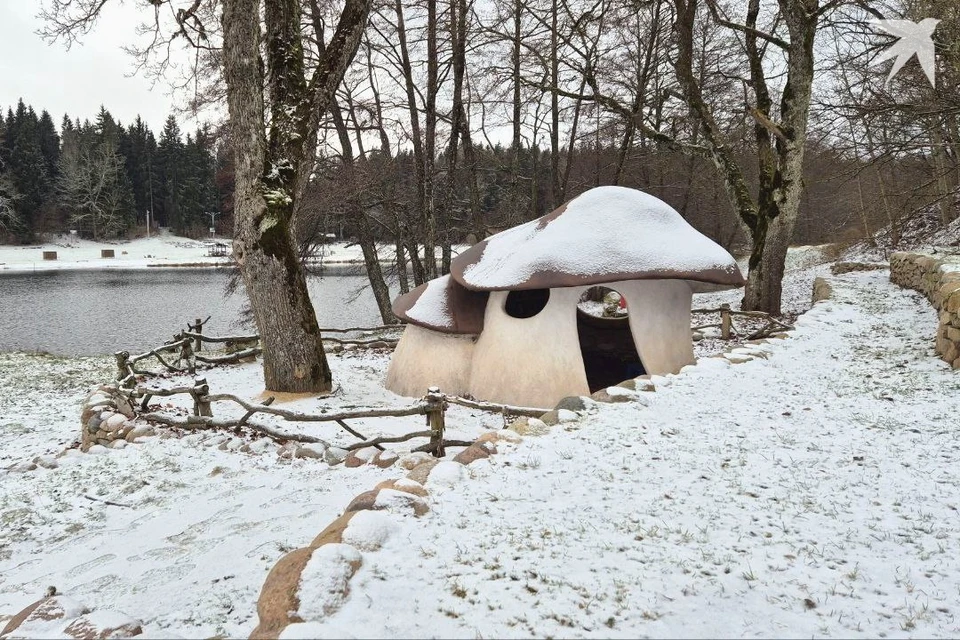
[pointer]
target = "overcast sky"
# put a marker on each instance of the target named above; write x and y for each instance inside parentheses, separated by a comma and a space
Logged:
(93, 72)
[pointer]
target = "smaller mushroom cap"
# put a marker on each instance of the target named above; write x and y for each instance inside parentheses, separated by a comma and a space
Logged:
(443, 305)
(606, 234)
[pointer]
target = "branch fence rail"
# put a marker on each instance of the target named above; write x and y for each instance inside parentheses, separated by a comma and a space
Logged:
(187, 348)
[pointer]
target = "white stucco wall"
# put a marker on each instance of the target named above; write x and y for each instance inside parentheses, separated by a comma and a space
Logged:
(659, 313)
(529, 361)
(425, 358)
(536, 361)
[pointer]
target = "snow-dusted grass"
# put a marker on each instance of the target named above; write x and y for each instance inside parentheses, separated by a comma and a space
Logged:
(811, 493)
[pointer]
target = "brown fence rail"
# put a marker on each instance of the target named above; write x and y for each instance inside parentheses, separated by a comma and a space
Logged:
(184, 348)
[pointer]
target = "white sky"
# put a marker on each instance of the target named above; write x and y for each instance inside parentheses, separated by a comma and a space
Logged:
(93, 72)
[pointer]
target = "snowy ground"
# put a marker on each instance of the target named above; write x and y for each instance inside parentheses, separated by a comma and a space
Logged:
(812, 493)
(160, 250)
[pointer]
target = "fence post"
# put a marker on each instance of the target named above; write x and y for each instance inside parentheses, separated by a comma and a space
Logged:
(725, 321)
(198, 329)
(201, 406)
(435, 419)
(122, 358)
(186, 353)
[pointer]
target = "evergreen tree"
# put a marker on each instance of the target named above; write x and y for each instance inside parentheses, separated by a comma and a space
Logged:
(170, 152)
(199, 193)
(27, 167)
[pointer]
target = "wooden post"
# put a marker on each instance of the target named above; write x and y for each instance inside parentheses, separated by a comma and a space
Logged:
(201, 406)
(198, 329)
(725, 321)
(122, 363)
(436, 420)
(186, 353)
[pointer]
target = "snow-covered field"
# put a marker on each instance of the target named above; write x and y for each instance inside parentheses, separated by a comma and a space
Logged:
(813, 493)
(810, 493)
(159, 250)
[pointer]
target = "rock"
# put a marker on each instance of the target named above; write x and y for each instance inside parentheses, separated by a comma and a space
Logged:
(385, 459)
(114, 422)
(839, 268)
(447, 473)
(369, 530)
(529, 427)
(421, 472)
(118, 444)
(388, 500)
(103, 624)
(572, 403)
(287, 450)
(279, 600)
(550, 418)
(614, 394)
(334, 531)
(353, 460)
(97, 448)
(822, 290)
(40, 618)
(414, 459)
(140, 431)
(47, 462)
(360, 457)
(313, 451)
(471, 454)
(21, 467)
(334, 455)
(404, 484)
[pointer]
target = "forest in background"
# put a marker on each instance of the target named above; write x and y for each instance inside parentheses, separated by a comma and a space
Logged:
(102, 178)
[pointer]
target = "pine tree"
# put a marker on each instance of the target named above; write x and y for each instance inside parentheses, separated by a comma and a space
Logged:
(26, 167)
(170, 153)
(199, 194)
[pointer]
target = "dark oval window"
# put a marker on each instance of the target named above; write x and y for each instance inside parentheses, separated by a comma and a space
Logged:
(526, 304)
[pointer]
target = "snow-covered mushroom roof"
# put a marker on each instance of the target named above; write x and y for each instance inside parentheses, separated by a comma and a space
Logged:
(443, 305)
(606, 234)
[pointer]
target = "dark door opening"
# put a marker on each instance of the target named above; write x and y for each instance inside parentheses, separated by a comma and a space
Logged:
(607, 347)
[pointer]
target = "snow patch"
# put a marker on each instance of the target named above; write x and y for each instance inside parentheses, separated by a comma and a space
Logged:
(446, 474)
(606, 230)
(324, 580)
(368, 530)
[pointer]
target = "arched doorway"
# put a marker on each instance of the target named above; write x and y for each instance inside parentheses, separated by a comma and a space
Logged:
(606, 343)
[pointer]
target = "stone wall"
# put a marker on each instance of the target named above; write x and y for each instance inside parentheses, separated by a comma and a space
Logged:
(938, 278)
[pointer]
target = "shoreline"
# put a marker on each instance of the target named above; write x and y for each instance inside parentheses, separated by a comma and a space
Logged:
(346, 267)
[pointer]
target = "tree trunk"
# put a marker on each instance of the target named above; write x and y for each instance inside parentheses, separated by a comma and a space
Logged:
(293, 356)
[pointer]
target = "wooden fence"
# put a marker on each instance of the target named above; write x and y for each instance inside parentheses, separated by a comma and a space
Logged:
(727, 328)
(185, 347)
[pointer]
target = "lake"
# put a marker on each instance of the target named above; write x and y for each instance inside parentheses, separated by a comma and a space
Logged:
(101, 312)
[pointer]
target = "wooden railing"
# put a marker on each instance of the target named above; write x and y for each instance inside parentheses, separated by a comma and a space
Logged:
(433, 405)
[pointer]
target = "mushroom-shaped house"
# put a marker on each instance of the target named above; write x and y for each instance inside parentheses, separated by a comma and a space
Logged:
(506, 324)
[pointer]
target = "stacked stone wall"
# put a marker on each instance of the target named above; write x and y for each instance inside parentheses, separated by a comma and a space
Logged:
(937, 278)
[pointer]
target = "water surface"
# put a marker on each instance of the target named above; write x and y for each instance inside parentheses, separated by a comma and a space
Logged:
(101, 312)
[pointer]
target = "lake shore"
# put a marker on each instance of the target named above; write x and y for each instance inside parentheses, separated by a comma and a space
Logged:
(158, 251)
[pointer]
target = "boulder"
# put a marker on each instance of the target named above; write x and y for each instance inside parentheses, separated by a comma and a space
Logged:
(471, 454)
(529, 427)
(421, 472)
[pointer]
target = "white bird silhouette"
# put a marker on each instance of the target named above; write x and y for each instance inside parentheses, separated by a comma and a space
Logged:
(914, 38)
